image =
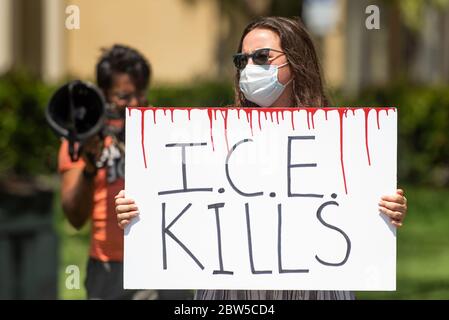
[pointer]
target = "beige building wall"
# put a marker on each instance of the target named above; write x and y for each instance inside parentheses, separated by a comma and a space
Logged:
(177, 36)
(6, 41)
(334, 51)
(53, 47)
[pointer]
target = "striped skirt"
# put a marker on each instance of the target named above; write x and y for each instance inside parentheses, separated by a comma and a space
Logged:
(272, 295)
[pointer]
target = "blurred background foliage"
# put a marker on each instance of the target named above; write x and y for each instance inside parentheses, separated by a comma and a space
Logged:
(423, 127)
(413, 10)
(27, 146)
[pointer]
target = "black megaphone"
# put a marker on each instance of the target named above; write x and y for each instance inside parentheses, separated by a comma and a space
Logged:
(76, 111)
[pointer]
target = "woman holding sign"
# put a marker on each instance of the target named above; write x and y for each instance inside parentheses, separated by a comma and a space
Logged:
(276, 66)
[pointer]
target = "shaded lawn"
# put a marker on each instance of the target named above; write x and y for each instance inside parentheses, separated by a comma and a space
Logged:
(423, 250)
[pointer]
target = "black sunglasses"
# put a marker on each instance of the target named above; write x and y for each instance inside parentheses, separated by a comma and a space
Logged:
(259, 56)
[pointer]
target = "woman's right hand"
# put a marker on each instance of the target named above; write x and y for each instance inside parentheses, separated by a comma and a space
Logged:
(125, 208)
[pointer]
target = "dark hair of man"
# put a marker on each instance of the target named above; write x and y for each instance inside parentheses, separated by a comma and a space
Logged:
(121, 59)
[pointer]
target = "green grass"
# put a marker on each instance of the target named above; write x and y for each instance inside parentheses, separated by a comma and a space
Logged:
(423, 250)
(73, 251)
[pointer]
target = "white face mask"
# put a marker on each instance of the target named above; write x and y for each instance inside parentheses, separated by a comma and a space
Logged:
(260, 84)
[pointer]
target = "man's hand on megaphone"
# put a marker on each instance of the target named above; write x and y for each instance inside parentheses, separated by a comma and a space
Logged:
(92, 149)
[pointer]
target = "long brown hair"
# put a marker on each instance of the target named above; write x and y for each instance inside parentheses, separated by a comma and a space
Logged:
(300, 51)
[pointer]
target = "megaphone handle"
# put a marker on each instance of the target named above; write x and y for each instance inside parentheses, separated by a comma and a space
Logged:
(74, 150)
(74, 154)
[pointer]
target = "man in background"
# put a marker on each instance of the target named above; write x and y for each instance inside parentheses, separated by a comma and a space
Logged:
(90, 184)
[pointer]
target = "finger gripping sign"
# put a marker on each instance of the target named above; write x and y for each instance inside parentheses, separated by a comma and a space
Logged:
(260, 198)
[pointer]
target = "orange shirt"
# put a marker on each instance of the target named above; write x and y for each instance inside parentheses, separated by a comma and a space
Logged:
(106, 237)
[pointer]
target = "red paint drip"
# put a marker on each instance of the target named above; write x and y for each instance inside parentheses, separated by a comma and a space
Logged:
(171, 114)
(238, 114)
(378, 110)
(310, 116)
(377, 116)
(154, 115)
(310, 113)
(251, 121)
(142, 135)
(258, 118)
(249, 117)
(308, 122)
(225, 119)
(313, 121)
(209, 113)
(341, 112)
(293, 122)
(367, 110)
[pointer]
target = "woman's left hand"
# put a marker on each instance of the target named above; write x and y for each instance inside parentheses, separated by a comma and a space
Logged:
(395, 207)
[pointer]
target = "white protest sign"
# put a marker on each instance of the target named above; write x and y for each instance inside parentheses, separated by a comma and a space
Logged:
(260, 198)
